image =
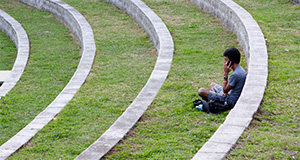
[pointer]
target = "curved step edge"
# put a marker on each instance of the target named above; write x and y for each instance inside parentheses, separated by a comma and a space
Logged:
(83, 31)
(252, 40)
(18, 35)
(163, 41)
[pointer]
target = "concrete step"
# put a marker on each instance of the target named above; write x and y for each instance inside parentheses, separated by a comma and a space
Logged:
(3, 76)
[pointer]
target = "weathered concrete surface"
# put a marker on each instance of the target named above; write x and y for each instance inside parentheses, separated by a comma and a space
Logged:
(4, 75)
(81, 28)
(252, 40)
(162, 39)
(18, 35)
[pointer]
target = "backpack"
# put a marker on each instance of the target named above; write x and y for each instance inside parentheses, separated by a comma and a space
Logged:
(212, 106)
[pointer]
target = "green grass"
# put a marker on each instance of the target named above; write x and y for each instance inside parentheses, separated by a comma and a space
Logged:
(171, 128)
(274, 133)
(8, 52)
(53, 59)
(124, 60)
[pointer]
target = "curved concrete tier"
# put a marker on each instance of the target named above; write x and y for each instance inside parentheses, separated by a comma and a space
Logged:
(163, 41)
(252, 40)
(19, 36)
(83, 31)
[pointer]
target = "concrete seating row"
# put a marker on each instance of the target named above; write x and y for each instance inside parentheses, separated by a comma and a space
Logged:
(252, 40)
(235, 17)
(163, 42)
(3, 76)
(18, 35)
(81, 28)
(164, 45)
(253, 43)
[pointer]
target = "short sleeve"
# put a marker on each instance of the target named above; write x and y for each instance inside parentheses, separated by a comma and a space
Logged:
(232, 80)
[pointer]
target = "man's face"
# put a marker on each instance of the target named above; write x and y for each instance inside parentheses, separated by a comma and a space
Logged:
(226, 59)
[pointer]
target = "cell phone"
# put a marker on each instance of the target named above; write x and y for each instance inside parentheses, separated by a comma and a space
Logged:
(230, 62)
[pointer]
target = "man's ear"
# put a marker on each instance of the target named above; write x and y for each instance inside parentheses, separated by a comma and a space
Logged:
(231, 63)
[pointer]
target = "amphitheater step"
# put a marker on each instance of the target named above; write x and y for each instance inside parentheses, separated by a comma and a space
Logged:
(3, 76)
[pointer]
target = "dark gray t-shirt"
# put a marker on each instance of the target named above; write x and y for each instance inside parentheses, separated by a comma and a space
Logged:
(237, 81)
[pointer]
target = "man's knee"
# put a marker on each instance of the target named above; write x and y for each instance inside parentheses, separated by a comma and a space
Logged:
(203, 92)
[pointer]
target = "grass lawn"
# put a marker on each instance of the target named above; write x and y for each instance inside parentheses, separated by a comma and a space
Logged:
(124, 60)
(53, 59)
(274, 132)
(8, 52)
(171, 128)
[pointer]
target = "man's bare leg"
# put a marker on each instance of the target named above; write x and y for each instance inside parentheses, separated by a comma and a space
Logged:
(203, 92)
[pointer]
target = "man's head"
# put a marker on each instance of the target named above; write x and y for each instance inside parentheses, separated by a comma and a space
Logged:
(233, 55)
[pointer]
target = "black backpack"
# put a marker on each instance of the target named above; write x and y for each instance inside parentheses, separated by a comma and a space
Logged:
(212, 106)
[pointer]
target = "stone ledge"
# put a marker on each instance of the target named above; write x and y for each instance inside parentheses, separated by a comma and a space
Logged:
(163, 42)
(18, 35)
(252, 40)
(81, 28)
(4, 75)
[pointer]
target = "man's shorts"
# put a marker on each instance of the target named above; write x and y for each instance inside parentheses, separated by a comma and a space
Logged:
(218, 95)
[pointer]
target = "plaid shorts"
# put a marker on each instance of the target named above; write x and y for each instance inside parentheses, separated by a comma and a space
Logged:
(218, 95)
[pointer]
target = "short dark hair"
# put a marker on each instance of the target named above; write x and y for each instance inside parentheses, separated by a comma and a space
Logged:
(233, 54)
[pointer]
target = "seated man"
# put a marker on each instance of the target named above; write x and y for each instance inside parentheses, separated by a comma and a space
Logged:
(231, 90)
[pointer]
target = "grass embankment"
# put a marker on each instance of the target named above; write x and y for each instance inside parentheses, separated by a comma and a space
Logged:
(124, 60)
(8, 52)
(171, 128)
(53, 59)
(274, 132)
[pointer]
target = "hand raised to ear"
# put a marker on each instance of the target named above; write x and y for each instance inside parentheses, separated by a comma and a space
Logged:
(227, 68)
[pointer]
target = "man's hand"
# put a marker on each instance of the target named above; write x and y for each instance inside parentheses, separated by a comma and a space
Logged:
(226, 68)
(225, 94)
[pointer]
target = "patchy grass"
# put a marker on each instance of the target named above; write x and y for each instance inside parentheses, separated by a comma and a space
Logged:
(171, 128)
(124, 60)
(53, 59)
(8, 52)
(274, 133)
